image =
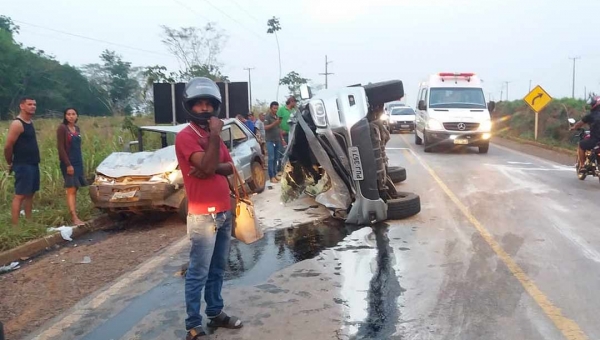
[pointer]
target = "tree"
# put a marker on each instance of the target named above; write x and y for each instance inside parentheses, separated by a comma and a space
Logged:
(28, 71)
(273, 27)
(197, 50)
(293, 80)
(116, 79)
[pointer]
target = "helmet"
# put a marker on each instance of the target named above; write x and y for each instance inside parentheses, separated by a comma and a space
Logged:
(594, 103)
(201, 88)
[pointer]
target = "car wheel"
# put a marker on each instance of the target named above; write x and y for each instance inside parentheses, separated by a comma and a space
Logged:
(259, 180)
(183, 209)
(418, 140)
(484, 148)
(397, 174)
(406, 205)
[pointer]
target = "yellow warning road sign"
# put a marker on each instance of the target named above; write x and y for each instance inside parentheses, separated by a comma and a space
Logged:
(537, 99)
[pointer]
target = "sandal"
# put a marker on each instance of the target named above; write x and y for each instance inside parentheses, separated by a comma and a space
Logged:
(225, 321)
(195, 333)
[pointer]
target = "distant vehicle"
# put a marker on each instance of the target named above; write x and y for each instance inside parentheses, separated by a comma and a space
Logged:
(401, 118)
(451, 109)
(136, 182)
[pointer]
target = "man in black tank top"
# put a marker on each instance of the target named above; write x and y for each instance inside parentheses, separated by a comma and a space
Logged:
(23, 157)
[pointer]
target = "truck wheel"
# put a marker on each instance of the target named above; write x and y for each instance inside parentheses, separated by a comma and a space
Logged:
(484, 148)
(418, 140)
(426, 144)
(397, 174)
(183, 209)
(259, 179)
(406, 205)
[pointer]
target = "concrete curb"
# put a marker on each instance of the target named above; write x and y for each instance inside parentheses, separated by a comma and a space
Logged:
(539, 145)
(35, 247)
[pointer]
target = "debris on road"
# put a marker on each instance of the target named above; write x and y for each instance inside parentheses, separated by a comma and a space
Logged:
(86, 260)
(65, 232)
(10, 267)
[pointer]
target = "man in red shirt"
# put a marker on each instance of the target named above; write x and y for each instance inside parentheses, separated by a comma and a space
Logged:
(205, 163)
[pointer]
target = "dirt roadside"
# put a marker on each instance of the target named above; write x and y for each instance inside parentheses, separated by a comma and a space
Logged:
(50, 284)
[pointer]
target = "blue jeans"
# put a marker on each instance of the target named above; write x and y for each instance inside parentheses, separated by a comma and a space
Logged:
(274, 149)
(210, 236)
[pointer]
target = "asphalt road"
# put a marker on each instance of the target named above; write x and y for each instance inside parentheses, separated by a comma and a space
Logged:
(505, 247)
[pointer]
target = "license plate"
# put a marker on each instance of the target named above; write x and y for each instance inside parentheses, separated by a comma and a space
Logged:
(461, 141)
(405, 126)
(123, 195)
(355, 164)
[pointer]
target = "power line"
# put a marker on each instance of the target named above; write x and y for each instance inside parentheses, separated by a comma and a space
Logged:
(239, 23)
(93, 39)
(244, 10)
(191, 9)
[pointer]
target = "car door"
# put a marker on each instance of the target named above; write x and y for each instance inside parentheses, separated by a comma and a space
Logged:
(241, 149)
(421, 115)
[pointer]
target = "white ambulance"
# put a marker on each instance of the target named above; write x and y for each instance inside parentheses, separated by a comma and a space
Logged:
(451, 109)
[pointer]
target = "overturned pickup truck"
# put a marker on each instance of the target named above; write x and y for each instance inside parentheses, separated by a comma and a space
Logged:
(337, 152)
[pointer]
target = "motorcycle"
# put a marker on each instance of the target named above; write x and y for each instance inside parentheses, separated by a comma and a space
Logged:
(591, 156)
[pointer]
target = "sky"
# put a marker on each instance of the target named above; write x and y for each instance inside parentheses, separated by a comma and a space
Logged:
(366, 41)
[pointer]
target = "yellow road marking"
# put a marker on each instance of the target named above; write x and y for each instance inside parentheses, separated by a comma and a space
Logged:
(409, 156)
(569, 328)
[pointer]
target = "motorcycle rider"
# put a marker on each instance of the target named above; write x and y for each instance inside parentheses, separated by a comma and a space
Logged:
(593, 120)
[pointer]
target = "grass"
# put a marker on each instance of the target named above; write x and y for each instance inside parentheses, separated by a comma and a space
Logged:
(101, 136)
(516, 119)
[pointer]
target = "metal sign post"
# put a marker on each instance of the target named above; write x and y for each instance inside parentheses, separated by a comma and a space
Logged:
(537, 99)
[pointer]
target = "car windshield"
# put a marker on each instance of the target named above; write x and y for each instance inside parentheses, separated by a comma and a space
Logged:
(403, 111)
(459, 98)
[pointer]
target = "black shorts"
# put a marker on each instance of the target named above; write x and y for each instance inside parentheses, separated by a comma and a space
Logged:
(588, 144)
(27, 178)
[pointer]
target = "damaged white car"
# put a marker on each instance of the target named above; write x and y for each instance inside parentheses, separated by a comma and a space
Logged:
(136, 182)
(337, 153)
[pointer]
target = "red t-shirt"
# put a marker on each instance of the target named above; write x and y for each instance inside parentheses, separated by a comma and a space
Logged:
(205, 196)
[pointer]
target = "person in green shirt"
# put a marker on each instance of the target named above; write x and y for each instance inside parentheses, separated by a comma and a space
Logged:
(284, 113)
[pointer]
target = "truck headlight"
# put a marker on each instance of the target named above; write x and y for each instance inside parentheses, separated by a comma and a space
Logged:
(384, 117)
(433, 124)
(485, 126)
(317, 109)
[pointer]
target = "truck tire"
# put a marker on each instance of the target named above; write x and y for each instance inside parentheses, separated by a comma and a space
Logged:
(484, 148)
(406, 205)
(426, 144)
(259, 179)
(397, 174)
(418, 140)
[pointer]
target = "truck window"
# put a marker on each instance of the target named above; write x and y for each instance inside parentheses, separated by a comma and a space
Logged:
(456, 97)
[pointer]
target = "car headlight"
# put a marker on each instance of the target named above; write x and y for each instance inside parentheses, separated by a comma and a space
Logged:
(317, 109)
(433, 124)
(486, 126)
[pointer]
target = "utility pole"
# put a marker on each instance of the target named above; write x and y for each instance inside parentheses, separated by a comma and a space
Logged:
(249, 69)
(529, 85)
(573, 90)
(507, 82)
(326, 74)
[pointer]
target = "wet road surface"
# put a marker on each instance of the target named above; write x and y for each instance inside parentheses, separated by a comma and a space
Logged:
(504, 248)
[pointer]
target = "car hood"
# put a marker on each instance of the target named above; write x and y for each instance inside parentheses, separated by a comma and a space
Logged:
(146, 163)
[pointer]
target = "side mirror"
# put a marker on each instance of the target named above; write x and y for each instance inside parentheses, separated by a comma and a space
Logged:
(572, 121)
(491, 106)
(422, 105)
(305, 92)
